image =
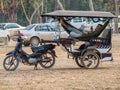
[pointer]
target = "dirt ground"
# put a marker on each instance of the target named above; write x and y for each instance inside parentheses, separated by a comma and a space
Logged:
(64, 75)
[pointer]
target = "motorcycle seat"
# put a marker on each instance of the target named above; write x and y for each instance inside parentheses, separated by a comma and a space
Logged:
(43, 47)
(37, 48)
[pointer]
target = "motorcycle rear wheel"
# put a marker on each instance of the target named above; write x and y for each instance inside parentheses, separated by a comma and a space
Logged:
(10, 63)
(48, 60)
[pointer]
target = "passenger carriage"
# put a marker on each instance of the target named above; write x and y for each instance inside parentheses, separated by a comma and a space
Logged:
(97, 43)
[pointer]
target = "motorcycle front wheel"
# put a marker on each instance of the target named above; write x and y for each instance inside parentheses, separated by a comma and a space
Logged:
(10, 63)
(48, 60)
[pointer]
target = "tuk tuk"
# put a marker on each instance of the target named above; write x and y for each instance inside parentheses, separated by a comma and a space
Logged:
(97, 43)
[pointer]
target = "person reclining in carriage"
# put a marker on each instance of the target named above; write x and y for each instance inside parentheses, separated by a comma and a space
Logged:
(102, 42)
(80, 34)
(74, 32)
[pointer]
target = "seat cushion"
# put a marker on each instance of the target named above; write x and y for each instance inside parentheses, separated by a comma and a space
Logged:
(37, 48)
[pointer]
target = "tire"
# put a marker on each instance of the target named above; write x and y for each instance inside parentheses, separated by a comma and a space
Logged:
(78, 62)
(48, 60)
(26, 43)
(34, 41)
(10, 63)
(90, 60)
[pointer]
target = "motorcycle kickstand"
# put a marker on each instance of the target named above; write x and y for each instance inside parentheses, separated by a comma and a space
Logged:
(35, 68)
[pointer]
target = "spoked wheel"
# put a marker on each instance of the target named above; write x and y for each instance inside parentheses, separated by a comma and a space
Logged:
(48, 60)
(78, 62)
(10, 63)
(90, 60)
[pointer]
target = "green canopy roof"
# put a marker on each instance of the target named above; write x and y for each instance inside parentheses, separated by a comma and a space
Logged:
(69, 13)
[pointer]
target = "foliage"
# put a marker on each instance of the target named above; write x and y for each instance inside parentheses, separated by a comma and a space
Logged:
(50, 5)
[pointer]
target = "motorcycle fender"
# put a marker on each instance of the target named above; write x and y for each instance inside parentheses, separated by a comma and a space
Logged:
(11, 52)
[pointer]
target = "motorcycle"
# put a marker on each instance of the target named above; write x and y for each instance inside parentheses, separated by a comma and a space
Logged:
(44, 55)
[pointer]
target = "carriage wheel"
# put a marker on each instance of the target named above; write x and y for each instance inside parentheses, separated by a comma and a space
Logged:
(90, 60)
(78, 61)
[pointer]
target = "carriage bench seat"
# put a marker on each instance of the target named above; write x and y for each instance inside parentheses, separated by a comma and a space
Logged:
(100, 42)
(104, 41)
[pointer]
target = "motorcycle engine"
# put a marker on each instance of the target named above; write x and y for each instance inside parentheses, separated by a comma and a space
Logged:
(34, 60)
(18, 58)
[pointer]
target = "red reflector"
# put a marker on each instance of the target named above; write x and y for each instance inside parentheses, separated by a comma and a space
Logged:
(20, 34)
(106, 55)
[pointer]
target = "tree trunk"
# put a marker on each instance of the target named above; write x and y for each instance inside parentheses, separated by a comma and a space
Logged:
(116, 13)
(12, 11)
(60, 6)
(91, 5)
(1, 7)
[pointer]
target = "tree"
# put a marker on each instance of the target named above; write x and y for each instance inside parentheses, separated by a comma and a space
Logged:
(12, 10)
(36, 7)
(9, 9)
(28, 11)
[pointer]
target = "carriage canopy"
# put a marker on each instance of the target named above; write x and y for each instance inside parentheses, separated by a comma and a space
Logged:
(69, 13)
(62, 16)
